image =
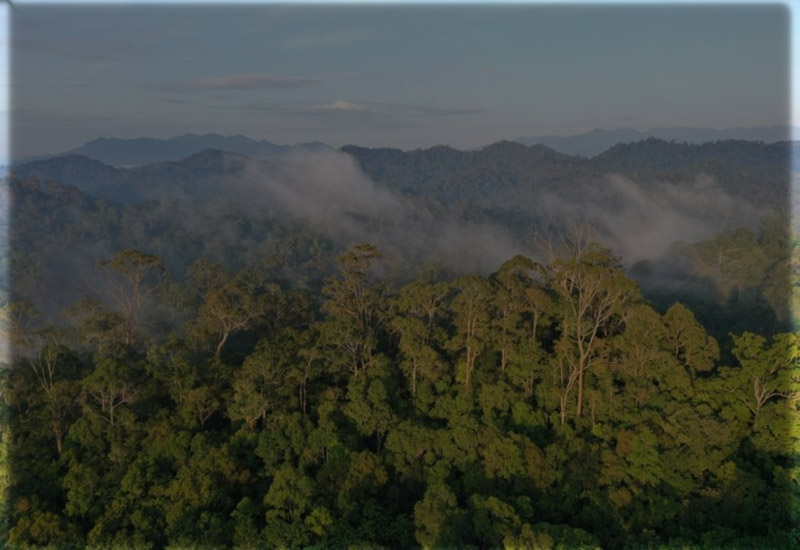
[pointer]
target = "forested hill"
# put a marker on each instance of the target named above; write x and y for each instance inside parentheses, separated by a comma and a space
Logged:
(193, 367)
(134, 152)
(545, 407)
(507, 173)
(195, 175)
(596, 141)
(440, 208)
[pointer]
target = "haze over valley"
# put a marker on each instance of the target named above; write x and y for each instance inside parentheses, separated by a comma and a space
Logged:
(363, 313)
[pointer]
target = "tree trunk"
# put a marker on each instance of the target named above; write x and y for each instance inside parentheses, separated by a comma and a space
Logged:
(580, 390)
(59, 436)
(221, 343)
(468, 368)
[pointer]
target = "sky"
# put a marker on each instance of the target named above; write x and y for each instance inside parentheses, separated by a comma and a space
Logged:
(407, 76)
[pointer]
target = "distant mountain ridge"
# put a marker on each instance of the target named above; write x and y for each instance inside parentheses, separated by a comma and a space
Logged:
(597, 141)
(121, 152)
(504, 177)
(200, 173)
(141, 151)
(449, 174)
(640, 197)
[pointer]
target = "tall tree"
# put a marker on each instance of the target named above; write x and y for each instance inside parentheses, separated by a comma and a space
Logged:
(353, 307)
(592, 292)
(471, 317)
(133, 276)
(511, 283)
(766, 372)
(415, 317)
(230, 307)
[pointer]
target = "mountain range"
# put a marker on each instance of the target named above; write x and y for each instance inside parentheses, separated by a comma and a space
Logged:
(429, 207)
(136, 152)
(593, 143)
(141, 151)
(510, 176)
(510, 182)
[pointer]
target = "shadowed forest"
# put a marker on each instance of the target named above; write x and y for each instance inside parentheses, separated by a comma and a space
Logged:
(411, 360)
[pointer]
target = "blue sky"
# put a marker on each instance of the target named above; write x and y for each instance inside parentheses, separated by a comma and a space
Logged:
(402, 76)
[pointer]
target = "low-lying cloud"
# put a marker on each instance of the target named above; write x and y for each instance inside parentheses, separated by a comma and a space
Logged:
(328, 191)
(639, 221)
(239, 82)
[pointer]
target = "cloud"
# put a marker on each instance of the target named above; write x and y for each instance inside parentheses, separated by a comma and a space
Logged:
(324, 40)
(340, 105)
(177, 101)
(427, 110)
(88, 50)
(247, 81)
(640, 220)
(383, 110)
(329, 192)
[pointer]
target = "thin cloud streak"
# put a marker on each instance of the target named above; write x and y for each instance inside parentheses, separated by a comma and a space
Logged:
(340, 106)
(325, 40)
(381, 109)
(239, 82)
(95, 50)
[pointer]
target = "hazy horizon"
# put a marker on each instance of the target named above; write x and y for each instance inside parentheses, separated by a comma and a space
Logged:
(794, 130)
(302, 347)
(409, 77)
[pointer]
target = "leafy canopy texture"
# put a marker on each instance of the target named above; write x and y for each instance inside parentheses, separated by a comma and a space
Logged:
(546, 406)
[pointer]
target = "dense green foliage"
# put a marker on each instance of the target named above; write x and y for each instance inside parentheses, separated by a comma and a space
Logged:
(512, 177)
(193, 367)
(740, 280)
(544, 406)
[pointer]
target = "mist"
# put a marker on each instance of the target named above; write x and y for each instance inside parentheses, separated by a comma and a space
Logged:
(330, 193)
(639, 221)
(228, 214)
